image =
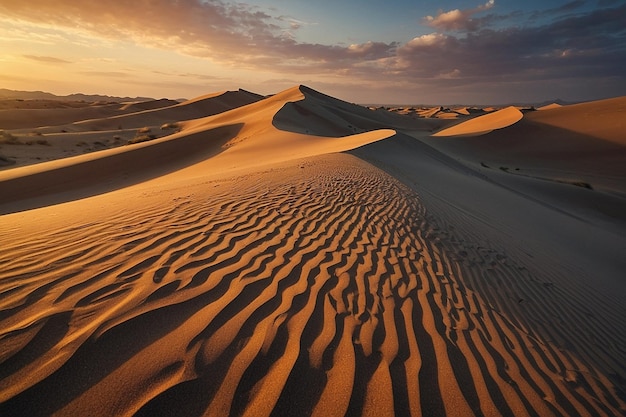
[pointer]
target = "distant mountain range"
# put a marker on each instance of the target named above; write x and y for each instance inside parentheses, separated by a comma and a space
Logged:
(41, 95)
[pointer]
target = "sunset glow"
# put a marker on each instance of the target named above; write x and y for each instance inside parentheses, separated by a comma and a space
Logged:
(426, 52)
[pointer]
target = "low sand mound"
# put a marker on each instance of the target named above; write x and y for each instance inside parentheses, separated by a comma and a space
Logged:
(54, 115)
(550, 106)
(147, 105)
(483, 124)
(462, 111)
(429, 112)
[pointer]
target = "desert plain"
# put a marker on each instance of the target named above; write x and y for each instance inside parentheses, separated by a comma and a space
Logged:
(296, 254)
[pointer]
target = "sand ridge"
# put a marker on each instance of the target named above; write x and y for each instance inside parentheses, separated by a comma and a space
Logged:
(483, 124)
(234, 138)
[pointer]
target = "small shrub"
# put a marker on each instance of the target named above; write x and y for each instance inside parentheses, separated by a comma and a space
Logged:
(582, 184)
(4, 161)
(577, 183)
(9, 139)
(142, 138)
(173, 125)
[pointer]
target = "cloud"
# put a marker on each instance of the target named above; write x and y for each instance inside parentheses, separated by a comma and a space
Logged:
(370, 49)
(464, 48)
(232, 33)
(107, 74)
(591, 46)
(607, 3)
(203, 77)
(47, 59)
(458, 20)
(424, 41)
(557, 11)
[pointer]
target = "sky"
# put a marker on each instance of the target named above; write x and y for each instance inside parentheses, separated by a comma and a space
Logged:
(363, 51)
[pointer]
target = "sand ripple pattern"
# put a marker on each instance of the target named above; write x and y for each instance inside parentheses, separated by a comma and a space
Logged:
(328, 294)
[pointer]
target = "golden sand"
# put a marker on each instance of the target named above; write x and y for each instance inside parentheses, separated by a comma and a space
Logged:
(299, 255)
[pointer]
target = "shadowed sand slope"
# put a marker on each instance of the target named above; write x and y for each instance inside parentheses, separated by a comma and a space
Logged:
(323, 115)
(582, 144)
(89, 116)
(242, 135)
(603, 119)
(191, 109)
(276, 276)
(52, 115)
(66, 129)
(86, 175)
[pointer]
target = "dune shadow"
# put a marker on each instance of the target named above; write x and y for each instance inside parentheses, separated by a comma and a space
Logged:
(112, 171)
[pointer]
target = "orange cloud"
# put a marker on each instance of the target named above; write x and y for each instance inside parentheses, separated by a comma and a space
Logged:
(457, 19)
(47, 59)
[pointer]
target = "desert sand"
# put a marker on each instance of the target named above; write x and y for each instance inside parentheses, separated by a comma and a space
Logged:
(299, 255)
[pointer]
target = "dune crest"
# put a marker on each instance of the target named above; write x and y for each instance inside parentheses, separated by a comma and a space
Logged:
(550, 106)
(228, 141)
(602, 119)
(483, 124)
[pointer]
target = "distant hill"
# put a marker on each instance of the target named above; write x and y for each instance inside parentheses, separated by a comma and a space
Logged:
(42, 95)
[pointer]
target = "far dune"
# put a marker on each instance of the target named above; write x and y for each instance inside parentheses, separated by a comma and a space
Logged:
(483, 124)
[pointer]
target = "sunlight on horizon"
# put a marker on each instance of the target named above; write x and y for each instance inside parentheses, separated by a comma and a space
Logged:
(481, 52)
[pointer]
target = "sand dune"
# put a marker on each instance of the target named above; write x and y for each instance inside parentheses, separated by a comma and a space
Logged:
(147, 105)
(578, 144)
(300, 255)
(250, 128)
(550, 106)
(483, 124)
(200, 107)
(32, 118)
(601, 119)
(94, 128)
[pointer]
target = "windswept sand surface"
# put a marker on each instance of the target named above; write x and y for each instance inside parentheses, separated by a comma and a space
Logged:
(311, 257)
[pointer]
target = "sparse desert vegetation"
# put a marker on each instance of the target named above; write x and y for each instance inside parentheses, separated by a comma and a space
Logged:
(6, 161)
(171, 126)
(42, 142)
(143, 135)
(8, 139)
